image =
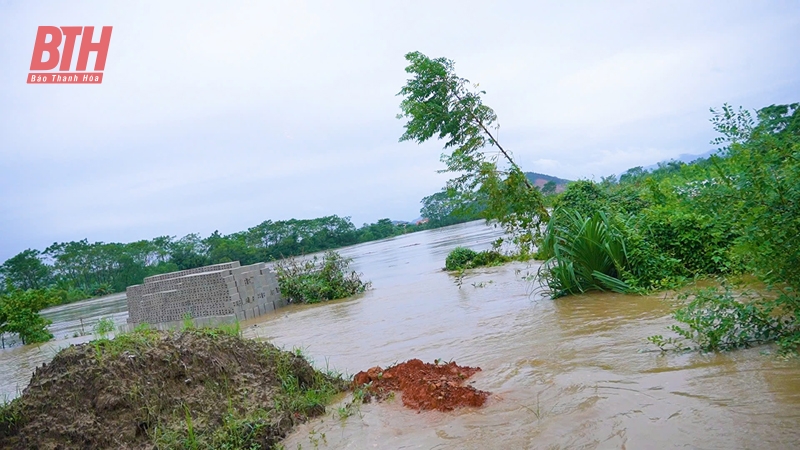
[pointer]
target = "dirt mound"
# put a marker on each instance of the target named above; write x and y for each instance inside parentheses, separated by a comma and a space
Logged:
(200, 388)
(424, 385)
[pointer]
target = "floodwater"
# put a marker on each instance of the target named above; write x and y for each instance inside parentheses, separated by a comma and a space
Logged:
(571, 373)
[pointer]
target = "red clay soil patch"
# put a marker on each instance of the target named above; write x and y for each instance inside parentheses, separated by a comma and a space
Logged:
(424, 385)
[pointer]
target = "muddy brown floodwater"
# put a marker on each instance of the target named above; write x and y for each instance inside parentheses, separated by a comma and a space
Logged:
(570, 373)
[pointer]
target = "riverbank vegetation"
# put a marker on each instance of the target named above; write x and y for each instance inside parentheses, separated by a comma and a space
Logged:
(736, 212)
(74, 271)
(189, 389)
(462, 258)
(318, 279)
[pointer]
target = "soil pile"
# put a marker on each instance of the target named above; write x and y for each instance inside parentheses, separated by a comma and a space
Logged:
(424, 385)
(199, 388)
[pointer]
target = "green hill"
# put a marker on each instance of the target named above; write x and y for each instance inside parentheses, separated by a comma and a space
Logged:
(540, 179)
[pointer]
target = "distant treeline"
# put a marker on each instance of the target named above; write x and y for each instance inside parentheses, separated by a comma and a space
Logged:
(79, 270)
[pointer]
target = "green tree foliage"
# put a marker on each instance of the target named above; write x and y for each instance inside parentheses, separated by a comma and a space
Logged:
(26, 271)
(107, 267)
(78, 270)
(632, 175)
(437, 103)
(233, 247)
(585, 197)
(757, 188)
(19, 314)
(549, 188)
(738, 210)
(446, 207)
(381, 229)
(189, 252)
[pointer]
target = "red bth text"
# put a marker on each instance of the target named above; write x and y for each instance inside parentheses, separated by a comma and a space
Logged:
(49, 54)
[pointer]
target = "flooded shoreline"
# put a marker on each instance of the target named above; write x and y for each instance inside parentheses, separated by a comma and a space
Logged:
(576, 372)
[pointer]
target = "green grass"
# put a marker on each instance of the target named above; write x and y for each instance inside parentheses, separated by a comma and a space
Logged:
(104, 326)
(353, 407)
(142, 338)
(9, 415)
(303, 399)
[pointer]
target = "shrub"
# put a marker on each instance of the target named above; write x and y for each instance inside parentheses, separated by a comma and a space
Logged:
(315, 280)
(584, 253)
(701, 243)
(647, 266)
(102, 289)
(461, 258)
(716, 320)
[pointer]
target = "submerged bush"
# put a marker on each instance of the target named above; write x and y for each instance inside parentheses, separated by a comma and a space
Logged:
(315, 280)
(583, 253)
(716, 320)
(459, 257)
(200, 388)
(464, 258)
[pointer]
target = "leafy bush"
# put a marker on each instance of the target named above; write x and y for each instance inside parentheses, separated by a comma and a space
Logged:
(461, 258)
(700, 243)
(754, 187)
(583, 196)
(584, 253)
(647, 266)
(102, 289)
(315, 280)
(760, 187)
(716, 320)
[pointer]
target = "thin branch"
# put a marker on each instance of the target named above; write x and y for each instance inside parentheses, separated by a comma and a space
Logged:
(480, 123)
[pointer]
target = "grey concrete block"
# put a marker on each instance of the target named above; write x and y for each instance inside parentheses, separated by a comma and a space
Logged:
(223, 290)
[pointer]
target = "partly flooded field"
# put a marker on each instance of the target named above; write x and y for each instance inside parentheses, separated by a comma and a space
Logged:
(575, 372)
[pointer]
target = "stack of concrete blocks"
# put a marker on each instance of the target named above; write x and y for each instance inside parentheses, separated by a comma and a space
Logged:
(209, 295)
(257, 289)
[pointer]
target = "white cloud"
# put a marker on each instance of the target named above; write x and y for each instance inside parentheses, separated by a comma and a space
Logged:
(222, 115)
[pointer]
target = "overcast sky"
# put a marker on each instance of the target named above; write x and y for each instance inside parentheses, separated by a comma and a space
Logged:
(220, 115)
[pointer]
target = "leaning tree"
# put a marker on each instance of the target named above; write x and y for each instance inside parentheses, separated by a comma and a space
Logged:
(438, 103)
